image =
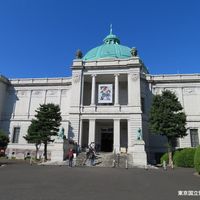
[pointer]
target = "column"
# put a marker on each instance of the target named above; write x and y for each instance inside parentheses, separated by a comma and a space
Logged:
(80, 133)
(91, 137)
(29, 104)
(130, 90)
(116, 89)
(116, 146)
(60, 98)
(82, 91)
(45, 96)
(93, 89)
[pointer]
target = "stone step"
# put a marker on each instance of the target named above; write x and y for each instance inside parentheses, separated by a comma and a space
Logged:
(103, 160)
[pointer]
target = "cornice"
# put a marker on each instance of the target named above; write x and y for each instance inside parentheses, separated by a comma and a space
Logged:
(41, 81)
(173, 78)
(107, 63)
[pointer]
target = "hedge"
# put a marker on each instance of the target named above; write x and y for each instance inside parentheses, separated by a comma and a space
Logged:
(197, 160)
(184, 158)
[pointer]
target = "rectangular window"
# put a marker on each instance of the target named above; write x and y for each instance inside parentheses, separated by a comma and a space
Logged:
(194, 137)
(15, 138)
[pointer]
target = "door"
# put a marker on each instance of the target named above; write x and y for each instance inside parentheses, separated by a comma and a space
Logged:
(107, 140)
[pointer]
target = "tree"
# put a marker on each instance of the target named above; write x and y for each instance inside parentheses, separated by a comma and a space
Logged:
(167, 118)
(44, 126)
(4, 139)
(34, 136)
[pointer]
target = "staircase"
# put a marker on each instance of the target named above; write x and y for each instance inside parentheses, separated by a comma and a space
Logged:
(108, 160)
(104, 160)
(80, 159)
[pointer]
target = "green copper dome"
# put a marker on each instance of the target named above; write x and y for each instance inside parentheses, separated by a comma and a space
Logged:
(110, 49)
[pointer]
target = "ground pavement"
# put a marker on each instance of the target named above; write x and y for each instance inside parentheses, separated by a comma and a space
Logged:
(21, 181)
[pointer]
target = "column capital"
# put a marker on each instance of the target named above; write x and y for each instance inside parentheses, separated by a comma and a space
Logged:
(91, 119)
(117, 74)
(93, 75)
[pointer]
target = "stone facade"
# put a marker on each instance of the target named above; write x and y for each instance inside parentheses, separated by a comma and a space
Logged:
(112, 126)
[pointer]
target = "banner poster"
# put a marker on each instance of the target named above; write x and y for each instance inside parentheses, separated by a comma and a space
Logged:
(105, 93)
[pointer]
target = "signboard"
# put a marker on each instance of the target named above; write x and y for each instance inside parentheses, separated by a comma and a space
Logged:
(105, 93)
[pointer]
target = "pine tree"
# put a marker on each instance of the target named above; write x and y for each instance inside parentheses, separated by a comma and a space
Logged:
(4, 139)
(167, 118)
(34, 136)
(44, 126)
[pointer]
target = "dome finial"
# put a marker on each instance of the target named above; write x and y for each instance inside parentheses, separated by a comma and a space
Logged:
(110, 29)
(111, 39)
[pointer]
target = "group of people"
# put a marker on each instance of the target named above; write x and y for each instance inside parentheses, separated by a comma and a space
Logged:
(90, 155)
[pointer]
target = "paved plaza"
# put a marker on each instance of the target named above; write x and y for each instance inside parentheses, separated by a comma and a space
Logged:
(25, 182)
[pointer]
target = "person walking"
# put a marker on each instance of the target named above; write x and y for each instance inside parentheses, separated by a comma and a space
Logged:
(70, 157)
(87, 153)
(92, 157)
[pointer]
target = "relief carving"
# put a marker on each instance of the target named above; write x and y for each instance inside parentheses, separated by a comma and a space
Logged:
(76, 78)
(189, 91)
(21, 93)
(64, 92)
(36, 93)
(52, 92)
(134, 77)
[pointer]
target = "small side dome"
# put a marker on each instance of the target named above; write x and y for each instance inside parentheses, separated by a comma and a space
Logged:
(109, 50)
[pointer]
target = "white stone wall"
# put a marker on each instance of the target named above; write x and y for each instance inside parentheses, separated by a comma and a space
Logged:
(75, 102)
(187, 89)
(24, 96)
(134, 123)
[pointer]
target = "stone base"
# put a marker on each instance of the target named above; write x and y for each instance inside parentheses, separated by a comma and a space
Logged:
(138, 154)
(57, 152)
(22, 151)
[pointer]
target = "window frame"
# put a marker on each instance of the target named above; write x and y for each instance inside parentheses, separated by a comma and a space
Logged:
(193, 137)
(15, 138)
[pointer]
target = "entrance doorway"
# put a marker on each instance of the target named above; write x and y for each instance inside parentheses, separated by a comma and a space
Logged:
(107, 139)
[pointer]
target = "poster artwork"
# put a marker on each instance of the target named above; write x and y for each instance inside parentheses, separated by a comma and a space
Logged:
(105, 93)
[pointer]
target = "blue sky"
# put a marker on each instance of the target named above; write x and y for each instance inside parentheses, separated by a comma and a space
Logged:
(39, 38)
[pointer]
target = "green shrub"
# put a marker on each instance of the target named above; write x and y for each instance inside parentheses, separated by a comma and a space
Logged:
(164, 157)
(184, 158)
(197, 160)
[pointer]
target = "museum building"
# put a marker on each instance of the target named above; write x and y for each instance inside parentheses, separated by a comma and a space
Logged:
(106, 101)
